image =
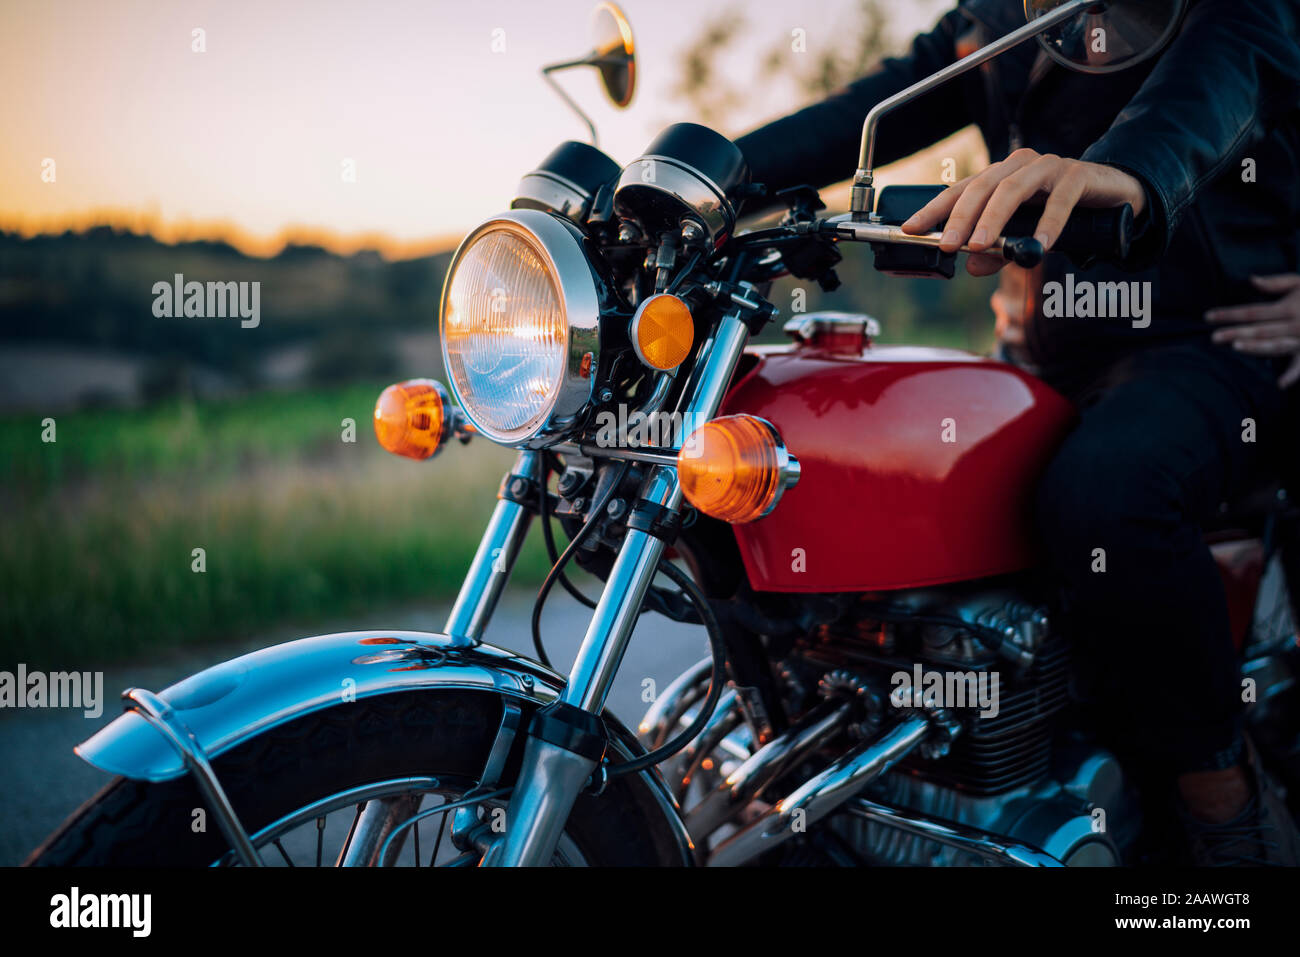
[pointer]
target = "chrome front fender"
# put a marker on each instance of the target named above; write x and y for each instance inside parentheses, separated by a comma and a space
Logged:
(233, 701)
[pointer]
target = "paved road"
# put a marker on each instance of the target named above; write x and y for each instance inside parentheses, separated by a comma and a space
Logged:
(42, 781)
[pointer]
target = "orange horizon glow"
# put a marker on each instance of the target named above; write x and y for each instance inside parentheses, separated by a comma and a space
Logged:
(245, 241)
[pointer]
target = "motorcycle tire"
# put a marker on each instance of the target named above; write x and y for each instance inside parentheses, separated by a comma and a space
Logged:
(443, 734)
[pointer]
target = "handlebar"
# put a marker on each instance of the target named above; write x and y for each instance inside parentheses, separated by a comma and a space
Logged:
(1021, 250)
(1089, 234)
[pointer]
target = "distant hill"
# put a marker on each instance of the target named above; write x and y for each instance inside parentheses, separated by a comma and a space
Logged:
(322, 315)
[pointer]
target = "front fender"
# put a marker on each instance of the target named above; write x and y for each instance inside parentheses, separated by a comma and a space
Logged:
(233, 701)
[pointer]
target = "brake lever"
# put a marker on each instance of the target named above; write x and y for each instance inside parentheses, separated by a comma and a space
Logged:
(1021, 250)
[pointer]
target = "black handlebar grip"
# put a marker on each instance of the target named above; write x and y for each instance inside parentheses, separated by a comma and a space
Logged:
(1022, 250)
(1089, 234)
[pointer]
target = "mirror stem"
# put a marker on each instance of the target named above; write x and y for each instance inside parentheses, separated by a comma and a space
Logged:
(862, 197)
(546, 75)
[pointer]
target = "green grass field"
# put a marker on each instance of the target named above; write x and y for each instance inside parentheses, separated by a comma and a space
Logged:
(295, 523)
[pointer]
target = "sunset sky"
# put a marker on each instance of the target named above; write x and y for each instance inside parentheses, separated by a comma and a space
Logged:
(248, 138)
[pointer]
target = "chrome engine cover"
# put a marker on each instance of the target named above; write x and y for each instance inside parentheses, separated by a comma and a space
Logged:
(1084, 819)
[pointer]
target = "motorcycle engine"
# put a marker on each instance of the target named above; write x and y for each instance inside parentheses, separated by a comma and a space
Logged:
(1010, 771)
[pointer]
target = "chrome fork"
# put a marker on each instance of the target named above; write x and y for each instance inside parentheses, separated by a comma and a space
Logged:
(496, 554)
(566, 738)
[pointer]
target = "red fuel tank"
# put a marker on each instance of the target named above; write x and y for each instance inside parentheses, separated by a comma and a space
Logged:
(918, 465)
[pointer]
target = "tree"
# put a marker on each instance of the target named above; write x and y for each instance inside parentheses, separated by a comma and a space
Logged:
(813, 70)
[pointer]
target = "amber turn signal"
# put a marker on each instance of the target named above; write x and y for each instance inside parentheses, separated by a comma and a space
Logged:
(663, 332)
(735, 468)
(411, 418)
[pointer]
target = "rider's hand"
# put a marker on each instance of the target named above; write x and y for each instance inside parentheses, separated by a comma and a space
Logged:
(979, 206)
(1268, 328)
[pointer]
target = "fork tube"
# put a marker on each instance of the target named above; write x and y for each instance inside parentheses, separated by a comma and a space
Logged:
(620, 603)
(553, 773)
(492, 563)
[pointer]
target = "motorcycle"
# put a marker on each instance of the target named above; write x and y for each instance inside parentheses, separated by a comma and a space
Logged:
(886, 683)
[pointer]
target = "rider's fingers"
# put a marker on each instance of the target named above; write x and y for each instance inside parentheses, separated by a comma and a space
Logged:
(945, 205)
(1250, 312)
(1252, 333)
(1277, 284)
(961, 222)
(936, 210)
(1268, 347)
(1020, 186)
(1060, 203)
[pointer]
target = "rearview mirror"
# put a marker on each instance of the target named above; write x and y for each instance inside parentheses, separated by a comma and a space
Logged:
(612, 54)
(1106, 37)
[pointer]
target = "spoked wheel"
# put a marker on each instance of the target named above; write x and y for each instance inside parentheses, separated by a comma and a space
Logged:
(330, 788)
(419, 822)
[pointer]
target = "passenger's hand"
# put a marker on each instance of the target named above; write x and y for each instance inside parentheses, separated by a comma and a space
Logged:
(979, 206)
(1267, 328)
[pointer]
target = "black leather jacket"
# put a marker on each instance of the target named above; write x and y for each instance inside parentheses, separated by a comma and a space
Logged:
(1225, 90)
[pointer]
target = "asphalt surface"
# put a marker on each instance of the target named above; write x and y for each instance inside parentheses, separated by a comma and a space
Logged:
(42, 781)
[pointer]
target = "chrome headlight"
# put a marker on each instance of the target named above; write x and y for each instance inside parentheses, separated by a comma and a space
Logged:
(520, 327)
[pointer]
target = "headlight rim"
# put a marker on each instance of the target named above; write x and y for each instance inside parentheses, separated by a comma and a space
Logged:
(559, 244)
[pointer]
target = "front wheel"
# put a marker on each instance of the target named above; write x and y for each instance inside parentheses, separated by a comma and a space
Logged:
(327, 788)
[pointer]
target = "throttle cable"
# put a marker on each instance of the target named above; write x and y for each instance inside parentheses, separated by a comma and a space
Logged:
(593, 520)
(544, 510)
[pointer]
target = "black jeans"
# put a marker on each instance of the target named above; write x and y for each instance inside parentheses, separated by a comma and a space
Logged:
(1162, 440)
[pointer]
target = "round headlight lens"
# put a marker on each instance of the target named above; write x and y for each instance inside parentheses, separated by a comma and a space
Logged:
(505, 333)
